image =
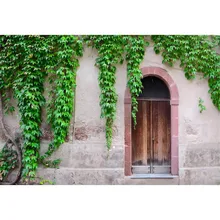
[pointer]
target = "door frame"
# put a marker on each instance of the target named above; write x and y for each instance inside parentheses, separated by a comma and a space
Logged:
(174, 102)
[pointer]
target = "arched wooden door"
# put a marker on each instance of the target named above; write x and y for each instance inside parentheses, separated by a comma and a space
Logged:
(151, 141)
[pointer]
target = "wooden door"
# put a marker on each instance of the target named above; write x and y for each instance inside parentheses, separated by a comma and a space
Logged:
(151, 147)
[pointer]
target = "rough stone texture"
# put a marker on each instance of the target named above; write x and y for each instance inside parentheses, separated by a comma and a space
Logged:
(200, 176)
(129, 181)
(88, 156)
(63, 153)
(84, 157)
(96, 156)
(203, 155)
(84, 176)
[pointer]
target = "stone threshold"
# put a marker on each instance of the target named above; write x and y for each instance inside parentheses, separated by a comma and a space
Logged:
(153, 176)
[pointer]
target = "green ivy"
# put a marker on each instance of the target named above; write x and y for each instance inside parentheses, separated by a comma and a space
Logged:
(8, 65)
(135, 50)
(23, 58)
(110, 53)
(196, 54)
(63, 65)
(216, 40)
(8, 161)
(201, 105)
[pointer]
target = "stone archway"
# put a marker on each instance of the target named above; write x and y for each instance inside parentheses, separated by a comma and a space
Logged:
(174, 102)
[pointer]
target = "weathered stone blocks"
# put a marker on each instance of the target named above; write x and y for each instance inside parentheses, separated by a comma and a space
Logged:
(202, 155)
(200, 176)
(84, 176)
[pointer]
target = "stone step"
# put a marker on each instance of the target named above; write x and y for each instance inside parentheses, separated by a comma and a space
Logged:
(150, 181)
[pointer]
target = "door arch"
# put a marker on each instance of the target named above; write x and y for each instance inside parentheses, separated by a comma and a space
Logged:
(163, 76)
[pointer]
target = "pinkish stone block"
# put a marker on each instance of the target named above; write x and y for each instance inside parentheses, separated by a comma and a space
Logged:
(127, 170)
(127, 110)
(174, 91)
(174, 127)
(127, 100)
(145, 70)
(169, 80)
(128, 137)
(128, 123)
(174, 146)
(174, 165)
(127, 163)
(174, 102)
(128, 154)
(174, 112)
(127, 93)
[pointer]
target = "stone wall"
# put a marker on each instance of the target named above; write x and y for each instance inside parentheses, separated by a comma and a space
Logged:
(85, 159)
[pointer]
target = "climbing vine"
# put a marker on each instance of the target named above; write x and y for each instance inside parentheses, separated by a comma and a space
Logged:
(110, 51)
(196, 54)
(27, 53)
(216, 40)
(135, 50)
(27, 62)
(62, 68)
(201, 105)
(8, 161)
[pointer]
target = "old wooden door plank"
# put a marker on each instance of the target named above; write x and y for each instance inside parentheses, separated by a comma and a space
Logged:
(137, 140)
(144, 132)
(161, 128)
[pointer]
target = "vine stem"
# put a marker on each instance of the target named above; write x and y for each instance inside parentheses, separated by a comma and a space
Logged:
(12, 140)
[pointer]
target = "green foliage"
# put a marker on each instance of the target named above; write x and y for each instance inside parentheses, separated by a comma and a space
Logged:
(51, 164)
(110, 52)
(63, 65)
(201, 105)
(48, 182)
(22, 62)
(135, 49)
(196, 54)
(216, 40)
(25, 62)
(8, 161)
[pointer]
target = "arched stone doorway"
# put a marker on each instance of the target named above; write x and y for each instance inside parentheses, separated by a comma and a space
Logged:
(152, 155)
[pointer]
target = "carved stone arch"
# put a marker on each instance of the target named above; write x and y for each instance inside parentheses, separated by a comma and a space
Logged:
(174, 102)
